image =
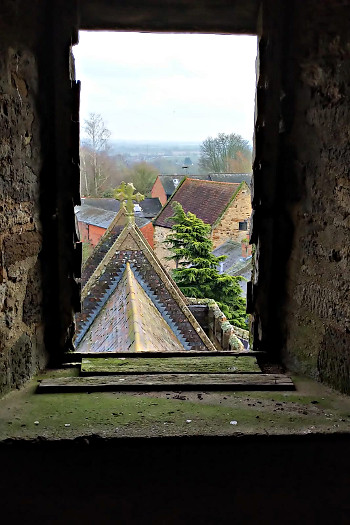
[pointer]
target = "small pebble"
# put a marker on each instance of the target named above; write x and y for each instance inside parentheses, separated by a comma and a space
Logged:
(188, 420)
(67, 424)
(233, 422)
(36, 422)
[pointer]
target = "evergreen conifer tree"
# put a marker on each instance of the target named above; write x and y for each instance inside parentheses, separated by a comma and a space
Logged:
(196, 271)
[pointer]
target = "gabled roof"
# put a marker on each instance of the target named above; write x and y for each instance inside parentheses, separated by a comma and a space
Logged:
(206, 199)
(231, 177)
(123, 323)
(126, 296)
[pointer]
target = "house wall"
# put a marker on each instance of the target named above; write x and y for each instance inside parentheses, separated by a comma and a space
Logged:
(83, 231)
(158, 191)
(228, 227)
(160, 248)
(148, 231)
(95, 234)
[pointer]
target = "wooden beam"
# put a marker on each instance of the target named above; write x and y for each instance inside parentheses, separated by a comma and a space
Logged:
(174, 365)
(167, 382)
(77, 356)
(192, 16)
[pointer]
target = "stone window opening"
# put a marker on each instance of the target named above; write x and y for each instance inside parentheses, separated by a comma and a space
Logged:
(243, 191)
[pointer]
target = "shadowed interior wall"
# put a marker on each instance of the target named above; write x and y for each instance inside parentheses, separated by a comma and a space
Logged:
(301, 196)
(21, 322)
(316, 189)
(38, 173)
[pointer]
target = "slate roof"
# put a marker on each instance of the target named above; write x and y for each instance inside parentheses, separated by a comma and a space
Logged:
(103, 203)
(94, 216)
(124, 322)
(231, 177)
(103, 218)
(126, 296)
(150, 206)
(233, 252)
(235, 264)
(206, 199)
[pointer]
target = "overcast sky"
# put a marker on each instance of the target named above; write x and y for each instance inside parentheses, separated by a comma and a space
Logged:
(166, 87)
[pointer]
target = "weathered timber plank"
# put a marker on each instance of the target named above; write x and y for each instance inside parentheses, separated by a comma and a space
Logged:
(173, 365)
(76, 356)
(167, 382)
(208, 16)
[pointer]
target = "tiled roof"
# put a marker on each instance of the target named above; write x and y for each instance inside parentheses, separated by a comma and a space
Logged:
(206, 199)
(105, 303)
(171, 182)
(123, 323)
(231, 177)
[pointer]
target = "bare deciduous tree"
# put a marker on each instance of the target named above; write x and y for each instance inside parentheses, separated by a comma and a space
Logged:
(94, 155)
(217, 153)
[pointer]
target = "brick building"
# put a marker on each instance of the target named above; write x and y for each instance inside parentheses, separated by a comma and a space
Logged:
(94, 216)
(225, 206)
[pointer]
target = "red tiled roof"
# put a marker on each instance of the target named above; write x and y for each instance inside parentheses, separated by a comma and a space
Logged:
(206, 199)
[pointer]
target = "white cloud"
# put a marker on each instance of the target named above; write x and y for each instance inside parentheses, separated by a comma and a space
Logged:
(168, 87)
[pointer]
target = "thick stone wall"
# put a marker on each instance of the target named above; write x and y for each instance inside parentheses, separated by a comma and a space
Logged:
(160, 248)
(317, 315)
(228, 227)
(39, 253)
(301, 195)
(21, 324)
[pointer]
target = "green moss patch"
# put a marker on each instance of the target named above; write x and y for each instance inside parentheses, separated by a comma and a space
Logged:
(313, 408)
